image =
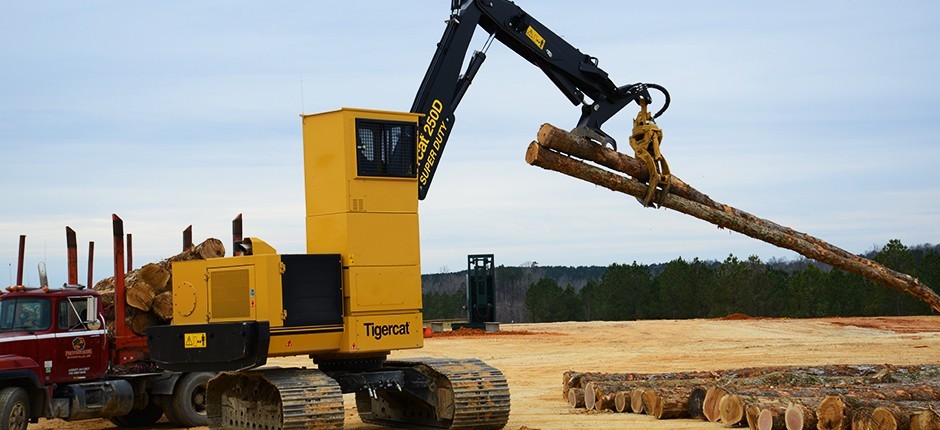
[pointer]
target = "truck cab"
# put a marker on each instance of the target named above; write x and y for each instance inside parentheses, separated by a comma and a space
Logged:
(58, 332)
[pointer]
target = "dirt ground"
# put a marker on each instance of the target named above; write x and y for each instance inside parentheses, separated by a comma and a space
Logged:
(535, 356)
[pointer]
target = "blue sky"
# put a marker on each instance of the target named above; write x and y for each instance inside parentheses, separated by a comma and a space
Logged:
(824, 117)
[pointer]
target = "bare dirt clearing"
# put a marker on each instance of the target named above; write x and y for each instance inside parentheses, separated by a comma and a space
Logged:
(534, 361)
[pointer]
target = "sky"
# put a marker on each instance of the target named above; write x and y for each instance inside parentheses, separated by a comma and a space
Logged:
(821, 116)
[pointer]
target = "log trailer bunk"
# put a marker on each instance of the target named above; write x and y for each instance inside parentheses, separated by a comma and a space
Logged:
(356, 294)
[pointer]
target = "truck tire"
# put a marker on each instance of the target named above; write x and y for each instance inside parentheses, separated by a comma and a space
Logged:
(187, 406)
(139, 417)
(14, 407)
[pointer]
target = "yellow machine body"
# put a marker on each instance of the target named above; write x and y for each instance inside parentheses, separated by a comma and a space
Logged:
(362, 210)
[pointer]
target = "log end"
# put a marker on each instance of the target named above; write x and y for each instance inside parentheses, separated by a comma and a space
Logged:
(532, 153)
(795, 417)
(710, 405)
(636, 401)
(731, 410)
(622, 401)
(831, 413)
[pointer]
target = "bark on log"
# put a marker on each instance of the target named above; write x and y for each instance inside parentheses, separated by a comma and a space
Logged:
(604, 402)
(696, 401)
(722, 215)
(667, 404)
(576, 398)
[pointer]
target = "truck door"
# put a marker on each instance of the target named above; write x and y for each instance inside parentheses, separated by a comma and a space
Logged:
(80, 340)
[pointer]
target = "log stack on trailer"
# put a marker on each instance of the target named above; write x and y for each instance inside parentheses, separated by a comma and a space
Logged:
(772, 398)
(149, 293)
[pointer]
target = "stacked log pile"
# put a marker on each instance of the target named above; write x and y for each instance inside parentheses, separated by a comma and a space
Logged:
(575, 156)
(772, 398)
(149, 289)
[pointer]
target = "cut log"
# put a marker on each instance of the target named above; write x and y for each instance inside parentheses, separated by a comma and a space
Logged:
(831, 414)
(576, 398)
(696, 401)
(155, 275)
(772, 418)
(636, 401)
(622, 401)
(141, 321)
(731, 410)
(604, 402)
(667, 403)
(710, 406)
(926, 420)
(163, 305)
(139, 296)
(722, 215)
(799, 417)
(591, 394)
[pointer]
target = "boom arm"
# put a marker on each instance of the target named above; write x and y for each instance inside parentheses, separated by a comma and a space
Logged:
(576, 74)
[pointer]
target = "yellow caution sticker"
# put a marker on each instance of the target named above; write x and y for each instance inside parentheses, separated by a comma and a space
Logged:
(195, 340)
(536, 38)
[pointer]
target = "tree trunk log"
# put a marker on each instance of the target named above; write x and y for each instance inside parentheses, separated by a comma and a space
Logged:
(731, 410)
(666, 403)
(576, 398)
(800, 417)
(636, 401)
(163, 305)
(722, 215)
(711, 404)
(622, 401)
(831, 414)
(772, 418)
(696, 401)
(590, 395)
(926, 420)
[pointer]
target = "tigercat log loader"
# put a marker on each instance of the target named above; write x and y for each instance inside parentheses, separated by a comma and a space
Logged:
(355, 296)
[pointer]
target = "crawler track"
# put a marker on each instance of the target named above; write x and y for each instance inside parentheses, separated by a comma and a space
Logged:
(275, 399)
(465, 394)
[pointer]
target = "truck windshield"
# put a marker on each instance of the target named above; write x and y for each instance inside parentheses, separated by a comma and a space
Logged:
(27, 313)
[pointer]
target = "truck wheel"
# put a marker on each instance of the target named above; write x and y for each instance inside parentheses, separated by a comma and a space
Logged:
(187, 405)
(140, 417)
(14, 407)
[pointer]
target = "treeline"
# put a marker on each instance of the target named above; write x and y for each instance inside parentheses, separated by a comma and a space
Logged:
(683, 289)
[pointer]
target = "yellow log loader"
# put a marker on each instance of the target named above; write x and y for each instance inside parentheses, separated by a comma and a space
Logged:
(355, 295)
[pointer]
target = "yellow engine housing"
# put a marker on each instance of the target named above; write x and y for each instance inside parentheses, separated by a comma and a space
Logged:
(362, 212)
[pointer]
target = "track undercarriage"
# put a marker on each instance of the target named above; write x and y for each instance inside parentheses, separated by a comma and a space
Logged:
(423, 393)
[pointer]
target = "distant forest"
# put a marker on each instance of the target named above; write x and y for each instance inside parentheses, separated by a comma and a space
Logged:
(683, 289)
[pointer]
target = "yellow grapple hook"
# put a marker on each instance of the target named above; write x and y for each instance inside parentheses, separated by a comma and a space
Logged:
(645, 141)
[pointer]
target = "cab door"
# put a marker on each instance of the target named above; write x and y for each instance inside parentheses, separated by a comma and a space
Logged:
(80, 340)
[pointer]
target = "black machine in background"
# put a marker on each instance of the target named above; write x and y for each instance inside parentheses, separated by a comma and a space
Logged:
(481, 291)
(576, 74)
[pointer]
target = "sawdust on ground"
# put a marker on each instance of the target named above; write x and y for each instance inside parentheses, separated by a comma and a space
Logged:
(534, 360)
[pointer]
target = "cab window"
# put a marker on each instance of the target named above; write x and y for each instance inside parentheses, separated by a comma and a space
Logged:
(73, 313)
(32, 314)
